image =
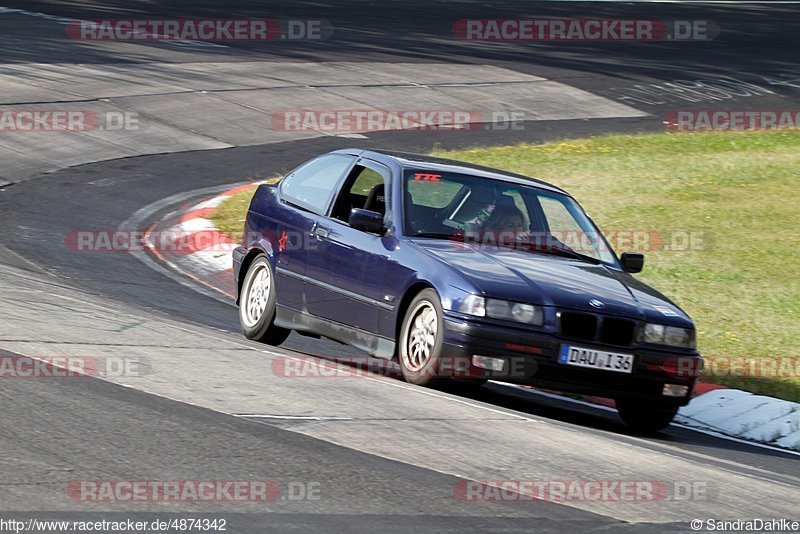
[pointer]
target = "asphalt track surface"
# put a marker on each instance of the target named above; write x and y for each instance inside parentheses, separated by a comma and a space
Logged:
(95, 429)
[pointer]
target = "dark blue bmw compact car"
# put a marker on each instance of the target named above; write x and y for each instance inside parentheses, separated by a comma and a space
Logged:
(461, 272)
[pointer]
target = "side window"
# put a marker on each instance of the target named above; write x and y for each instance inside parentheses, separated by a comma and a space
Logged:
(365, 189)
(312, 185)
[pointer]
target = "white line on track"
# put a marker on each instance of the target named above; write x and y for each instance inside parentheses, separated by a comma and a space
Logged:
(65, 21)
(291, 417)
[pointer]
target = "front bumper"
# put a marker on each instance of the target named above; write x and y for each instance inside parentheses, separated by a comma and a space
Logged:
(531, 358)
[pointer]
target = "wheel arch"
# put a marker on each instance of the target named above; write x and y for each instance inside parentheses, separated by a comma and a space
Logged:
(415, 289)
(251, 255)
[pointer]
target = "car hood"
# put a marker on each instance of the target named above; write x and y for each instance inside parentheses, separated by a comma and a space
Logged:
(551, 280)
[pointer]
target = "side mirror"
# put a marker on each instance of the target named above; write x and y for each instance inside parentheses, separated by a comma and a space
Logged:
(366, 221)
(632, 262)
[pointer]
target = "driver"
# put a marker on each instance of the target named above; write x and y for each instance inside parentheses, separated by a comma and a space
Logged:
(505, 218)
(507, 224)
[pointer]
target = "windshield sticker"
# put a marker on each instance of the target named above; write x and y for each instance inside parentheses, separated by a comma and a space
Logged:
(425, 177)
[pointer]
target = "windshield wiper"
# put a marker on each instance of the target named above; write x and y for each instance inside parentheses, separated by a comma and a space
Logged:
(436, 235)
(567, 253)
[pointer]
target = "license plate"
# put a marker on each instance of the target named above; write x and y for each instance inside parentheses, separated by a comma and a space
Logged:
(596, 359)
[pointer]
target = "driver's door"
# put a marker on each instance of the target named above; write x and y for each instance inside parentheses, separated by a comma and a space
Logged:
(305, 196)
(346, 272)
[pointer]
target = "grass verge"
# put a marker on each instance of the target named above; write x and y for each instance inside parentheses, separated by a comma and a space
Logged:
(230, 214)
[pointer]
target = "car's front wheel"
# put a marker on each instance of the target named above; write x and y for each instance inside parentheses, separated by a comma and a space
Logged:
(420, 342)
(257, 304)
(646, 416)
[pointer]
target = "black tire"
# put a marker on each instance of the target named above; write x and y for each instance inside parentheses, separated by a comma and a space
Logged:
(646, 416)
(414, 370)
(259, 326)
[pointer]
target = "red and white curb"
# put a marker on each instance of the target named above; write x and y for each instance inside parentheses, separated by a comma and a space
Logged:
(189, 242)
(738, 413)
(746, 416)
(205, 257)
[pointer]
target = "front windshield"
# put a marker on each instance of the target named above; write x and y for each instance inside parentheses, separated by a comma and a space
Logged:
(495, 213)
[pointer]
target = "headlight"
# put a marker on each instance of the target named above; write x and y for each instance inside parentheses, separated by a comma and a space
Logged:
(473, 305)
(514, 311)
(502, 309)
(673, 336)
(526, 313)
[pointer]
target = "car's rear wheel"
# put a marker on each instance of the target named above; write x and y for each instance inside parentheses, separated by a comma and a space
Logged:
(257, 304)
(420, 342)
(646, 416)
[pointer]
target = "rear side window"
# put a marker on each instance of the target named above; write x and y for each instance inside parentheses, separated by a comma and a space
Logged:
(312, 185)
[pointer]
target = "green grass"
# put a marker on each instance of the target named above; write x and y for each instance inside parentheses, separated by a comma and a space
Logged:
(740, 191)
(230, 214)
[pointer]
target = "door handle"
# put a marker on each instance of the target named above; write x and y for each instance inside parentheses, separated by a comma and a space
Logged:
(320, 232)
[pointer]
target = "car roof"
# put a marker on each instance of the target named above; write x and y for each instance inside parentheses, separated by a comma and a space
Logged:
(419, 161)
